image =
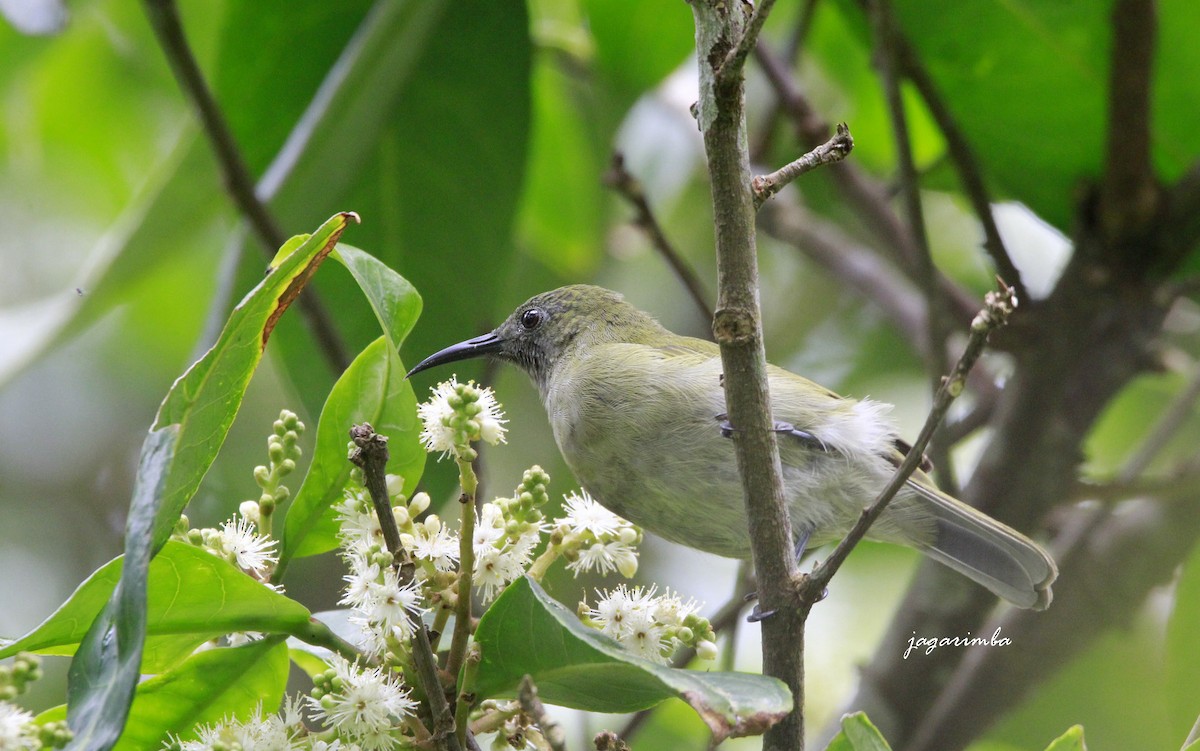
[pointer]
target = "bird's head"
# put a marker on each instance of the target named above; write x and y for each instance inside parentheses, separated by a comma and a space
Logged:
(547, 330)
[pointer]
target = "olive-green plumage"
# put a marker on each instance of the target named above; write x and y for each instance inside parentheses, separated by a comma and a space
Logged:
(637, 412)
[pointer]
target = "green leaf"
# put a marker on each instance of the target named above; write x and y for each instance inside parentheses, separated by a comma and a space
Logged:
(1072, 740)
(395, 302)
(1181, 658)
(373, 389)
(527, 632)
(190, 427)
(858, 733)
(208, 687)
(192, 596)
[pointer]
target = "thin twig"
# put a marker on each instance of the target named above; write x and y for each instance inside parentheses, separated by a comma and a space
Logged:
(619, 179)
(532, 705)
(884, 26)
(736, 60)
(795, 43)
(998, 306)
(962, 154)
(164, 18)
(371, 455)
(861, 193)
(834, 150)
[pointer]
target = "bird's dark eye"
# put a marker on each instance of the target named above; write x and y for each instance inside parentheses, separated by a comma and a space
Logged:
(531, 318)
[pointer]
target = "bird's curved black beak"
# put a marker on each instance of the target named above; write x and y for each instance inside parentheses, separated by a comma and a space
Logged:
(487, 344)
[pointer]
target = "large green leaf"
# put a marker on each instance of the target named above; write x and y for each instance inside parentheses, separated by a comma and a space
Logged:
(190, 427)
(191, 596)
(527, 632)
(210, 686)
(373, 389)
(427, 193)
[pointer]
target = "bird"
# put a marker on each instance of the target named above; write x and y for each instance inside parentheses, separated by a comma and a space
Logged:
(638, 413)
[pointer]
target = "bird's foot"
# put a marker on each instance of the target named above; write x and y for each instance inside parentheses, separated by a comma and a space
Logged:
(806, 438)
(725, 425)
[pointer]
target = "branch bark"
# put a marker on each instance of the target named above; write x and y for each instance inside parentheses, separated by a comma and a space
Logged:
(721, 27)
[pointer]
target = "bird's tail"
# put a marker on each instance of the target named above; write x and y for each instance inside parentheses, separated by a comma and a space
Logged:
(988, 552)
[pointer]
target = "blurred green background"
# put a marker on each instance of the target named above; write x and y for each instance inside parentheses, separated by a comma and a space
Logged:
(472, 138)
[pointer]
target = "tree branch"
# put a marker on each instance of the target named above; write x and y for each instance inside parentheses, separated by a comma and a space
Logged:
(738, 330)
(883, 24)
(963, 156)
(1129, 196)
(164, 18)
(997, 308)
(619, 179)
(732, 67)
(835, 149)
(371, 455)
(1118, 558)
(861, 194)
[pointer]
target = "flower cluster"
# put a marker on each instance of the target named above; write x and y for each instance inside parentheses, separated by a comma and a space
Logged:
(649, 625)
(366, 706)
(18, 731)
(507, 532)
(383, 606)
(458, 414)
(276, 732)
(245, 539)
(595, 539)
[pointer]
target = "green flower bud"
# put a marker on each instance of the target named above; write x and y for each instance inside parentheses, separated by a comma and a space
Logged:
(262, 476)
(286, 467)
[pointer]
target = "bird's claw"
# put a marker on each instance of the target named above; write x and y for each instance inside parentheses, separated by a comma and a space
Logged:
(726, 427)
(808, 439)
(757, 615)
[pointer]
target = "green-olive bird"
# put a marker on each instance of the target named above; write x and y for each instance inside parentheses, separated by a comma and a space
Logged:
(638, 413)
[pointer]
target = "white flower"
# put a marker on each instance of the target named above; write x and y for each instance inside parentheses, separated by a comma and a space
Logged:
(435, 416)
(605, 558)
(643, 623)
(271, 733)
(586, 515)
(15, 728)
(477, 416)
(383, 608)
(367, 708)
(251, 551)
(495, 568)
(439, 546)
(360, 527)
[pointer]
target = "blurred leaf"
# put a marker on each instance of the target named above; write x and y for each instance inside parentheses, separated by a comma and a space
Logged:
(211, 686)
(373, 389)
(526, 632)
(308, 662)
(191, 596)
(858, 734)
(1181, 658)
(188, 432)
(174, 214)
(639, 42)
(426, 193)
(1072, 740)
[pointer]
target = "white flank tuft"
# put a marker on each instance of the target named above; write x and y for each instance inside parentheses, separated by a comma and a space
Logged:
(860, 431)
